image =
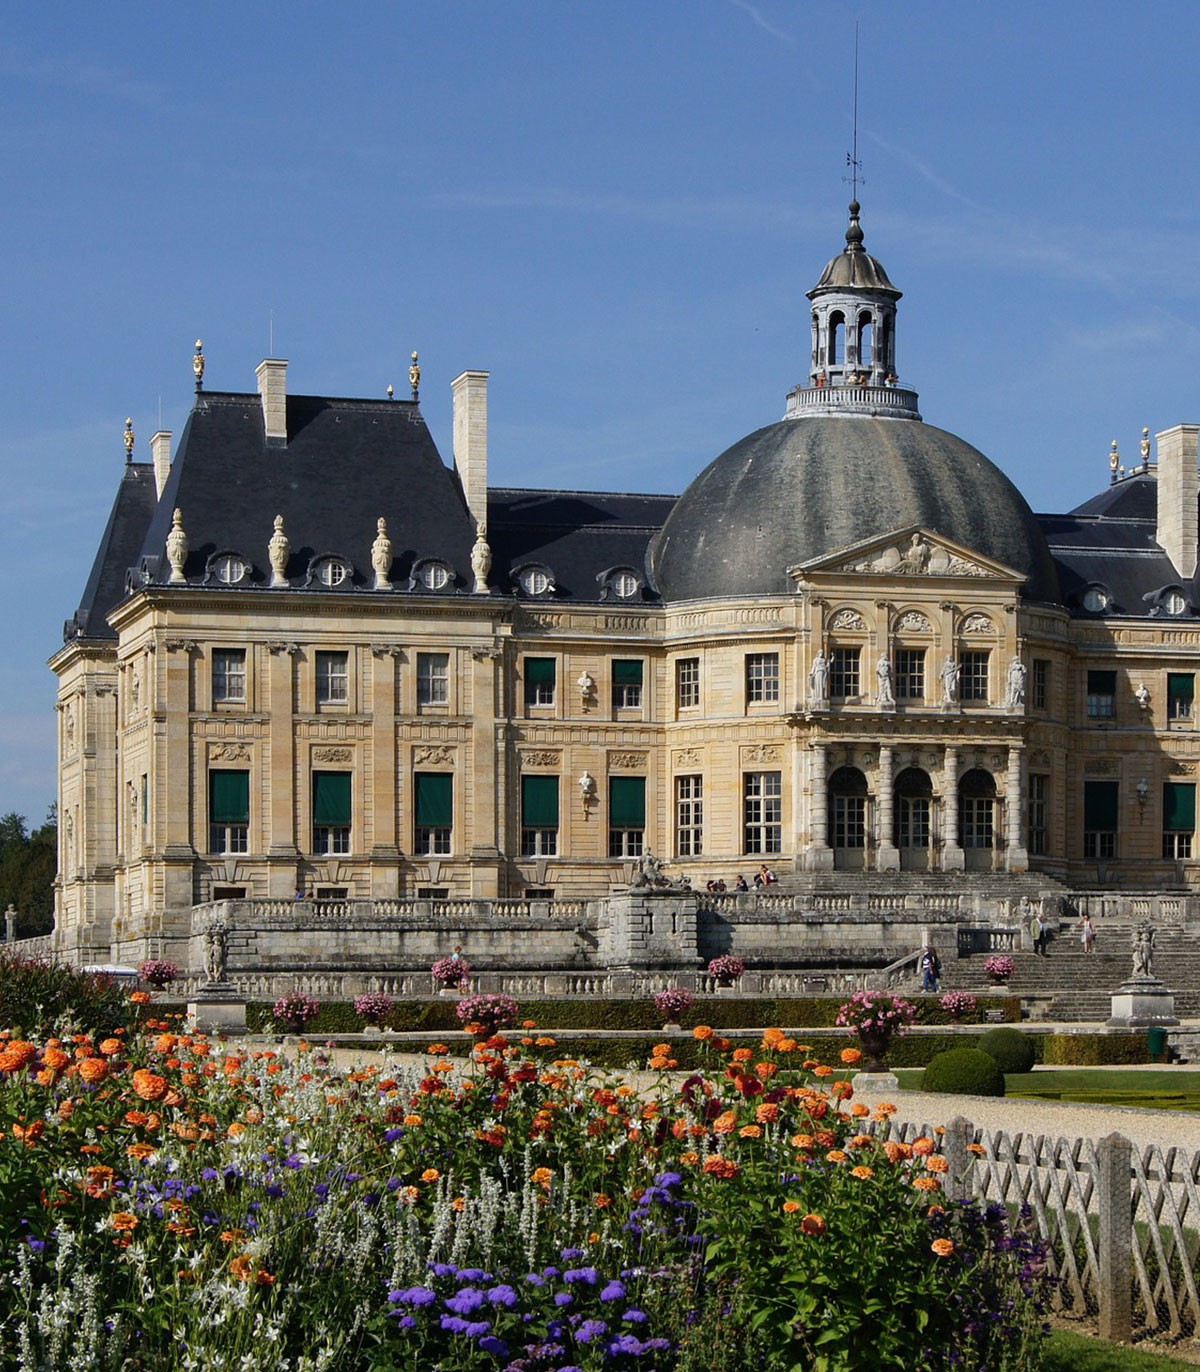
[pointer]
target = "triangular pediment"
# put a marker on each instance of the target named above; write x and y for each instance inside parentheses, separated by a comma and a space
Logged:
(911, 551)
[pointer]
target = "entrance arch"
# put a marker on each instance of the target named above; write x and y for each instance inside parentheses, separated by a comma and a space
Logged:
(977, 819)
(912, 821)
(848, 797)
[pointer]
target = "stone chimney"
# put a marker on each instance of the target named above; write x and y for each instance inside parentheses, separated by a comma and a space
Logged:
(160, 452)
(272, 386)
(470, 440)
(1178, 487)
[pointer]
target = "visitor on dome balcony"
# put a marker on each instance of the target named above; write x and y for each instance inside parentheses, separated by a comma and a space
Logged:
(741, 884)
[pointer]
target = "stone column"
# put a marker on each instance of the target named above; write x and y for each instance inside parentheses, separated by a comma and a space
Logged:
(385, 847)
(177, 808)
(887, 855)
(484, 836)
(952, 853)
(283, 814)
(1017, 854)
(819, 857)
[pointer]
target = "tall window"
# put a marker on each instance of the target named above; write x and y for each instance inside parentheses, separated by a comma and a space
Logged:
(1101, 695)
(843, 673)
(687, 683)
(228, 812)
(1038, 811)
(1179, 819)
(762, 678)
(228, 675)
(849, 816)
(1041, 683)
(762, 812)
(539, 680)
(539, 816)
(909, 674)
(973, 681)
(1181, 691)
(333, 679)
(627, 684)
(433, 678)
(331, 808)
(1101, 807)
(433, 811)
(626, 816)
(689, 816)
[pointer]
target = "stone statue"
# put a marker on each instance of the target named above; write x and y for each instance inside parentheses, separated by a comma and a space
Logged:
(818, 679)
(949, 674)
(481, 560)
(278, 551)
(1143, 951)
(381, 556)
(1016, 684)
(216, 951)
(915, 556)
(883, 683)
(177, 548)
(1145, 446)
(1142, 696)
(650, 873)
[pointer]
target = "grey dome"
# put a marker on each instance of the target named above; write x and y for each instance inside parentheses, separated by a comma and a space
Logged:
(854, 266)
(804, 488)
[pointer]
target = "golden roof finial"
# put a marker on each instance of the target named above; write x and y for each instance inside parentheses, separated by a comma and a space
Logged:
(414, 377)
(391, 391)
(198, 364)
(1114, 461)
(129, 440)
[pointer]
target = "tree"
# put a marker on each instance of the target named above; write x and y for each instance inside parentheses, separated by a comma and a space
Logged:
(28, 865)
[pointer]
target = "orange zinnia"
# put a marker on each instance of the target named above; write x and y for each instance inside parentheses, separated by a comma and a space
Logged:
(148, 1084)
(93, 1070)
(790, 1207)
(124, 1222)
(936, 1163)
(923, 1146)
(430, 1174)
(702, 1031)
(850, 1056)
(942, 1247)
(813, 1224)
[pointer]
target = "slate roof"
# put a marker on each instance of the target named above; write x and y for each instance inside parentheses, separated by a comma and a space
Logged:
(120, 545)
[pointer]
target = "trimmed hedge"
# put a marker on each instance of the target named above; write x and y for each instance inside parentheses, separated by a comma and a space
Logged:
(964, 1072)
(1095, 1050)
(1012, 1050)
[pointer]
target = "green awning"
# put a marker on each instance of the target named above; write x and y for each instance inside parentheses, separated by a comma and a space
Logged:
(331, 799)
(1100, 807)
(627, 802)
(228, 797)
(539, 802)
(627, 672)
(1181, 686)
(434, 800)
(1179, 806)
(539, 671)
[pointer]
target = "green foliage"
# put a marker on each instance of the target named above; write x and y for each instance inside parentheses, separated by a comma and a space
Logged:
(1013, 1050)
(929, 1010)
(1095, 1050)
(35, 992)
(964, 1072)
(1067, 1351)
(28, 866)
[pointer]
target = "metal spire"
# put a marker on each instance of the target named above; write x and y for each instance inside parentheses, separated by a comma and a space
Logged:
(852, 161)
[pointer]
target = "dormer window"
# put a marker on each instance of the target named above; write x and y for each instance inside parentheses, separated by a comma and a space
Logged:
(535, 580)
(332, 571)
(1096, 599)
(1173, 601)
(228, 568)
(621, 583)
(625, 584)
(434, 576)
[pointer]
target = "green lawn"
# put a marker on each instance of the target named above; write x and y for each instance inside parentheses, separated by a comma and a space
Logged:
(1067, 1352)
(1151, 1089)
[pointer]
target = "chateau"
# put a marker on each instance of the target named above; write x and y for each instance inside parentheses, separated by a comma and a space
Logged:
(312, 660)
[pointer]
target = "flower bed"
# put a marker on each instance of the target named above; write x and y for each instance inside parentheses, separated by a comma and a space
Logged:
(173, 1202)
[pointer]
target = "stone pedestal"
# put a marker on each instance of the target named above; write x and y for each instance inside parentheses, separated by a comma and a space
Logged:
(818, 857)
(218, 1009)
(887, 858)
(653, 928)
(953, 858)
(1142, 1002)
(875, 1083)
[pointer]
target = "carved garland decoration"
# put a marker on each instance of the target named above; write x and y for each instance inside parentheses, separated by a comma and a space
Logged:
(627, 761)
(761, 752)
(848, 619)
(977, 624)
(229, 752)
(333, 755)
(433, 756)
(541, 759)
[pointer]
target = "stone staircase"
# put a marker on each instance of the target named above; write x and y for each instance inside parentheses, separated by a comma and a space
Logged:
(1013, 885)
(1079, 987)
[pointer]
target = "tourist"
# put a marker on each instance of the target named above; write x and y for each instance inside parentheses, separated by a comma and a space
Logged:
(1037, 932)
(741, 884)
(768, 877)
(1087, 934)
(931, 968)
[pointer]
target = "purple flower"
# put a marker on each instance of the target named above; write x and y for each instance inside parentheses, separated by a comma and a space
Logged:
(589, 1330)
(491, 1344)
(392, 1135)
(563, 1298)
(406, 1322)
(614, 1291)
(634, 1316)
(588, 1275)
(465, 1301)
(626, 1343)
(453, 1325)
(534, 1280)
(414, 1295)
(503, 1295)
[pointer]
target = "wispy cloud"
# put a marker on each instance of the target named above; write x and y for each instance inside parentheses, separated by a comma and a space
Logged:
(80, 75)
(757, 15)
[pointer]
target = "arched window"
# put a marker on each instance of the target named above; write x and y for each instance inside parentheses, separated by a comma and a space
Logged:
(886, 359)
(837, 338)
(866, 339)
(848, 808)
(977, 809)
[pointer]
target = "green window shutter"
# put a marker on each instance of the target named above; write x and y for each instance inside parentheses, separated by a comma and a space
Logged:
(1102, 684)
(229, 797)
(1100, 807)
(627, 672)
(1179, 806)
(539, 802)
(1181, 686)
(627, 802)
(331, 799)
(539, 671)
(434, 800)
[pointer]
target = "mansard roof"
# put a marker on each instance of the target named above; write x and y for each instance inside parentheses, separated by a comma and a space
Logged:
(120, 545)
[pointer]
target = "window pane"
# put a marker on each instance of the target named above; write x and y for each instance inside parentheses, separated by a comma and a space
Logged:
(229, 797)
(1179, 805)
(332, 677)
(1100, 805)
(539, 802)
(687, 682)
(433, 678)
(331, 798)
(627, 672)
(762, 677)
(627, 802)
(434, 799)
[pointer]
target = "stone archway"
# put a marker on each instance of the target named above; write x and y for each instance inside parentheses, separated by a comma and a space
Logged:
(978, 819)
(849, 800)
(912, 819)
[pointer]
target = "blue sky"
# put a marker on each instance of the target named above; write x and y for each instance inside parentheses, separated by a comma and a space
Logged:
(615, 208)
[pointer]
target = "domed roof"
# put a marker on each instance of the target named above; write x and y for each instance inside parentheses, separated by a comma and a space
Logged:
(803, 488)
(854, 266)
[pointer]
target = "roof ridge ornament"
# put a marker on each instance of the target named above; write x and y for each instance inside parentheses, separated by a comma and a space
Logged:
(129, 440)
(177, 549)
(198, 365)
(381, 554)
(278, 551)
(414, 377)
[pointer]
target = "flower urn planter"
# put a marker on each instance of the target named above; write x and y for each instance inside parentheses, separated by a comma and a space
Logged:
(874, 1046)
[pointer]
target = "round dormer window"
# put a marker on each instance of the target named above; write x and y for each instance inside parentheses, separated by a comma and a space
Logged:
(1174, 603)
(534, 581)
(1095, 599)
(434, 576)
(228, 568)
(625, 584)
(332, 572)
